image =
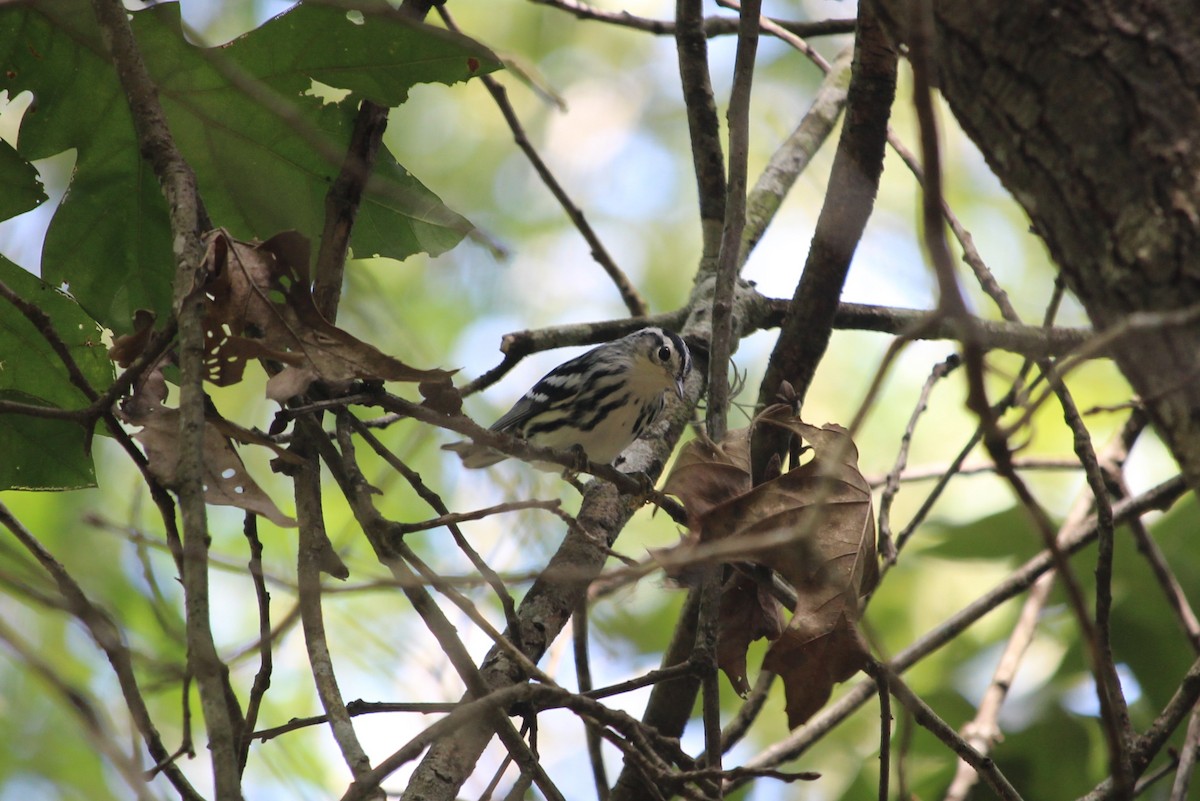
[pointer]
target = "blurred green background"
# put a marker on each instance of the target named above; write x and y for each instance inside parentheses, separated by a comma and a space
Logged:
(620, 147)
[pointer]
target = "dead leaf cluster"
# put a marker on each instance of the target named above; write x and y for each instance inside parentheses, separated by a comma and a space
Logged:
(813, 525)
(259, 305)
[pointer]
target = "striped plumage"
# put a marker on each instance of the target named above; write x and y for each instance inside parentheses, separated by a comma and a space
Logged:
(600, 401)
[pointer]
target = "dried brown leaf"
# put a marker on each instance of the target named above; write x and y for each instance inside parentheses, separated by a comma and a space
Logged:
(259, 305)
(245, 436)
(748, 612)
(127, 347)
(441, 396)
(226, 481)
(706, 474)
(814, 525)
(810, 658)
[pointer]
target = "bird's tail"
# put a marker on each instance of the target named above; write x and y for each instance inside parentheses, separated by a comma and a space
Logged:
(475, 456)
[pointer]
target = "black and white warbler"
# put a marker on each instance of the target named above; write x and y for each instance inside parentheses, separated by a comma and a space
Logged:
(599, 402)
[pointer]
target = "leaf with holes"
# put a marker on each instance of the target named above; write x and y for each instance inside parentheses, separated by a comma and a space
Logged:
(39, 453)
(259, 305)
(226, 480)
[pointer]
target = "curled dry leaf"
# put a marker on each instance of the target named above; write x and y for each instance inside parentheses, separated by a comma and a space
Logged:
(127, 347)
(441, 396)
(706, 474)
(226, 481)
(748, 612)
(259, 306)
(814, 525)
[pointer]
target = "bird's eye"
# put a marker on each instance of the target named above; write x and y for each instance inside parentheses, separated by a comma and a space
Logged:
(664, 353)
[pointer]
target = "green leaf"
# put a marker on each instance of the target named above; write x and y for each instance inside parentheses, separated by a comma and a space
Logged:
(41, 453)
(20, 187)
(109, 241)
(258, 172)
(380, 57)
(1003, 535)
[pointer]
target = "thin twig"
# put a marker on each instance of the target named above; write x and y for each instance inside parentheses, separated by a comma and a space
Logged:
(435, 502)
(794, 40)
(629, 294)
(729, 259)
(925, 716)
(707, 627)
(886, 548)
(682, 670)
(883, 687)
(89, 712)
(514, 446)
(1115, 712)
(712, 26)
(396, 556)
(583, 677)
(1187, 758)
(45, 327)
(1146, 747)
(669, 706)
(983, 731)
(107, 636)
(312, 545)
(464, 713)
(985, 277)
(975, 468)
(951, 302)
(454, 518)
(262, 679)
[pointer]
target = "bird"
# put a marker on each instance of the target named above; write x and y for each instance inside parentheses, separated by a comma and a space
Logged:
(597, 403)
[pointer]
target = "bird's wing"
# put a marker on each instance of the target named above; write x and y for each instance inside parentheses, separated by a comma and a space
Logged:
(555, 388)
(521, 411)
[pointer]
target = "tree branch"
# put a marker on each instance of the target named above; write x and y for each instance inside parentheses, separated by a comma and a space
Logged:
(708, 160)
(712, 26)
(729, 258)
(222, 716)
(848, 203)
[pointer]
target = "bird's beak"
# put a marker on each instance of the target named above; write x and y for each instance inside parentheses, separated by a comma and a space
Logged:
(679, 387)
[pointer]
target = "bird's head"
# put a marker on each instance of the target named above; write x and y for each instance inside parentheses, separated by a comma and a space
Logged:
(660, 359)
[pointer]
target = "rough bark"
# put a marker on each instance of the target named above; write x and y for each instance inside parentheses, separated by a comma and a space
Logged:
(1089, 113)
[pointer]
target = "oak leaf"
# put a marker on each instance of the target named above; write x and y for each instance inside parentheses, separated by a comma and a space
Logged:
(748, 612)
(814, 525)
(706, 474)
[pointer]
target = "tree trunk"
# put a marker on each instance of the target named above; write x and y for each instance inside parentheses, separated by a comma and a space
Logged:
(1089, 112)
